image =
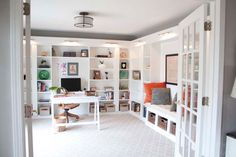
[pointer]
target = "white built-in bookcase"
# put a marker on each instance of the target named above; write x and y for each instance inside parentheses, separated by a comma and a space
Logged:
(110, 74)
(147, 58)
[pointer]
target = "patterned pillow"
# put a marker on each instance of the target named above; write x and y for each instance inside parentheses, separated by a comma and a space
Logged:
(161, 96)
(148, 87)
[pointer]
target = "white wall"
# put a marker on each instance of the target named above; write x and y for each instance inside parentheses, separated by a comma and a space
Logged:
(83, 74)
(168, 47)
(156, 62)
(6, 145)
(229, 103)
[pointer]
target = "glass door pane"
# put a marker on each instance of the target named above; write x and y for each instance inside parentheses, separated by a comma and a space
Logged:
(184, 89)
(187, 123)
(186, 144)
(189, 67)
(196, 66)
(193, 127)
(195, 97)
(184, 66)
(189, 95)
(196, 35)
(191, 37)
(185, 39)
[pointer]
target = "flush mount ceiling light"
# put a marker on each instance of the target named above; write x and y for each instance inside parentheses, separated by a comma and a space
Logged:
(83, 20)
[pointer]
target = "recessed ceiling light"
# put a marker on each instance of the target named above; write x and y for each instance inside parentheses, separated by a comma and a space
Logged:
(139, 43)
(167, 35)
(71, 43)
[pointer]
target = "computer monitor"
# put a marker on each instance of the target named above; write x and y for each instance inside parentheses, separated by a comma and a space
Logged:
(71, 84)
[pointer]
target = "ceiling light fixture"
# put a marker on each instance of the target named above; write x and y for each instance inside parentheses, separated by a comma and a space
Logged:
(83, 20)
(139, 43)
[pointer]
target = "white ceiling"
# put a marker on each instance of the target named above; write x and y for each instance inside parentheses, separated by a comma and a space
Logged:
(116, 17)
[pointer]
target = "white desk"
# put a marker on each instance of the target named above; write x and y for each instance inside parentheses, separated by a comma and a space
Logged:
(76, 98)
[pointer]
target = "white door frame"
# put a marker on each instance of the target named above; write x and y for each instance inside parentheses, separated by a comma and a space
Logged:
(218, 68)
(16, 51)
(16, 81)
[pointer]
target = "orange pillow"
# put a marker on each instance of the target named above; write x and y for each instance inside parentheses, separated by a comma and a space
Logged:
(148, 90)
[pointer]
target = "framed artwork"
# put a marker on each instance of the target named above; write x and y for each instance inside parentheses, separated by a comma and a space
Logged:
(124, 74)
(171, 71)
(136, 75)
(73, 69)
(123, 65)
(123, 54)
(84, 53)
(97, 74)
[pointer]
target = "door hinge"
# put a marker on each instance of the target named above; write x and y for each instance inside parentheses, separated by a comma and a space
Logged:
(207, 25)
(28, 111)
(26, 9)
(205, 101)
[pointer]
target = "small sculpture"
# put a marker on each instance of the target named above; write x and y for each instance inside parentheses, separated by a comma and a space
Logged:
(110, 53)
(101, 65)
(44, 64)
(106, 73)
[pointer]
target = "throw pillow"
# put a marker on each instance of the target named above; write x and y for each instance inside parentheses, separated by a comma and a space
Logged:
(148, 90)
(161, 96)
(174, 104)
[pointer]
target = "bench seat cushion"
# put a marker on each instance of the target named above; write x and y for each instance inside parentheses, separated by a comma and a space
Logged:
(165, 109)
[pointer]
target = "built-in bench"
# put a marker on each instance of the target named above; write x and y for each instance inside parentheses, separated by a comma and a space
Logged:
(162, 120)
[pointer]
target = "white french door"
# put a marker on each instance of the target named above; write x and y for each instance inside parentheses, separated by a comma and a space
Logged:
(27, 80)
(191, 75)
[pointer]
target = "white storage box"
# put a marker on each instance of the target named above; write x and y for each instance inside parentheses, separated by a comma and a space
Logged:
(124, 107)
(110, 107)
(44, 111)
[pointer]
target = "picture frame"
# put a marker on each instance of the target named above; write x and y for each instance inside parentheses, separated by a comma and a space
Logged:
(171, 69)
(72, 69)
(123, 65)
(136, 75)
(123, 54)
(84, 53)
(124, 74)
(97, 74)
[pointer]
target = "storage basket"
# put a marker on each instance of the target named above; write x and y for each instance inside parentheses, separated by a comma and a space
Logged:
(58, 120)
(151, 117)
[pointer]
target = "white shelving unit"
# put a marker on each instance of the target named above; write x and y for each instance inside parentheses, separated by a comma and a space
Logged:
(124, 72)
(136, 86)
(103, 76)
(44, 82)
(146, 59)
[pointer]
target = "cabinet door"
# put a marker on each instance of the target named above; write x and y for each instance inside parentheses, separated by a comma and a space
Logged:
(192, 40)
